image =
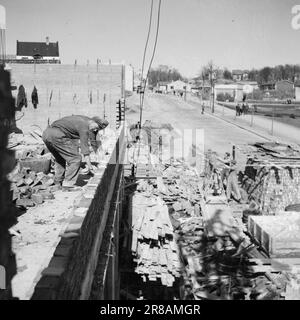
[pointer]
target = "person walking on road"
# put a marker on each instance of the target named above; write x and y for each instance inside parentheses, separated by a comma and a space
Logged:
(238, 110)
(61, 138)
(203, 107)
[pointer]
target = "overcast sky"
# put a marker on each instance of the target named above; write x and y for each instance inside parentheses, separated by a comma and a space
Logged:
(233, 33)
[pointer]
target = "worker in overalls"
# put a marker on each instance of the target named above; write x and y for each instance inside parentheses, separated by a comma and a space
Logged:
(232, 186)
(61, 138)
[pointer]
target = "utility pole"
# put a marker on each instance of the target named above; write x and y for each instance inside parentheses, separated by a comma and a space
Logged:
(212, 78)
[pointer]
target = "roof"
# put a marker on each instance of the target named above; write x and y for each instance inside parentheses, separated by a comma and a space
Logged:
(37, 48)
(291, 82)
(268, 83)
(239, 72)
(163, 83)
(177, 82)
(250, 83)
(229, 86)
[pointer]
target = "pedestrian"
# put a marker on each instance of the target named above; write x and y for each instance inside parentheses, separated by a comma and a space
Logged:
(34, 97)
(61, 138)
(21, 98)
(203, 107)
(238, 110)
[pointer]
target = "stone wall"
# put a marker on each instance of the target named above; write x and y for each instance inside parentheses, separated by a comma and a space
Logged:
(70, 273)
(7, 210)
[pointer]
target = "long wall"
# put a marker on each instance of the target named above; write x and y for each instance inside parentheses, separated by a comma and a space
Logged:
(90, 236)
(68, 89)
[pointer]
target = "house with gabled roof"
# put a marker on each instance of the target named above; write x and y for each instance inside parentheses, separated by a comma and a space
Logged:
(42, 52)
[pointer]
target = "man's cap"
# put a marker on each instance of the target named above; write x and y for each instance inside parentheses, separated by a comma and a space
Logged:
(102, 123)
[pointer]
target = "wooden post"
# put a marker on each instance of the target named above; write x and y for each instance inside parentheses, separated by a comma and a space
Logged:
(104, 100)
(252, 112)
(213, 99)
(272, 128)
(233, 152)
(160, 149)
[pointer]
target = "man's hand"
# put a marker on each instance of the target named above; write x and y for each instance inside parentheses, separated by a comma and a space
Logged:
(88, 162)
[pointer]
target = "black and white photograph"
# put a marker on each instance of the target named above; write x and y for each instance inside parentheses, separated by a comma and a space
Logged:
(150, 153)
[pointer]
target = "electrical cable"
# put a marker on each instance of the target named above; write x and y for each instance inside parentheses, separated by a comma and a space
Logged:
(152, 58)
(145, 49)
(149, 68)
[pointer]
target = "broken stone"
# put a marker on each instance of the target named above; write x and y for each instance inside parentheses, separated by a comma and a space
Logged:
(37, 198)
(25, 202)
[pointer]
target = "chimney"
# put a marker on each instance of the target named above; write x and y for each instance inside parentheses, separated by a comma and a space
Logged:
(47, 41)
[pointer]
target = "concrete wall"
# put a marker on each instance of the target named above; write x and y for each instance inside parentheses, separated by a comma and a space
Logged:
(89, 90)
(129, 79)
(88, 238)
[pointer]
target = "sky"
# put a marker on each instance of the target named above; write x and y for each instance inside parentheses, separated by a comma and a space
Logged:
(232, 33)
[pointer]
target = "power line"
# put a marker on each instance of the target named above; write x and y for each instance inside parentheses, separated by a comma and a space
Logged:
(153, 54)
(145, 49)
(151, 60)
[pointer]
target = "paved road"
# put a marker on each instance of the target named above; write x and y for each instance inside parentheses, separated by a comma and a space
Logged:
(219, 135)
(284, 132)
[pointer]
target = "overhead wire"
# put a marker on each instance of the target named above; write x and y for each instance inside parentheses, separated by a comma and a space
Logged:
(147, 76)
(152, 58)
(145, 49)
(142, 95)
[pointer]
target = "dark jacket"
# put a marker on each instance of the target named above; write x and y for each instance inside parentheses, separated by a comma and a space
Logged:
(34, 96)
(21, 98)
(77, 127)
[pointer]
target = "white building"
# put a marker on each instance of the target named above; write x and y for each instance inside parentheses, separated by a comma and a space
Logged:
(178, 85)
(235, 90)
(297, 90)
(129, 78)
(249, 86)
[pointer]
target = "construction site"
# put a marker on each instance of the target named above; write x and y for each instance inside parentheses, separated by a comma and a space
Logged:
(183, 202)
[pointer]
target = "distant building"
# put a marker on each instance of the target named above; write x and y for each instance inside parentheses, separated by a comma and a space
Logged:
(234, 90)
(281, 85)
(41, 52)
(178, 85)
(297, 90)
(267, 86)
(240, 75)
(162, 87)
(129, 78)
(249, 86)
(200, 87)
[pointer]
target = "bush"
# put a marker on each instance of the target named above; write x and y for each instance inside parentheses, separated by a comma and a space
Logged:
(256, 95)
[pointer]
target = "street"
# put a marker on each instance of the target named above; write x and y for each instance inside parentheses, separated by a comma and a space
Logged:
(219, 135)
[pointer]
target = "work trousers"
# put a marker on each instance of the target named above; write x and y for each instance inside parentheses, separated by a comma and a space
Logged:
(66, 154)
(232, 188)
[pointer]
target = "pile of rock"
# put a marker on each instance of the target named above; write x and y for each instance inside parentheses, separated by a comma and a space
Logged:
(30, 188)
